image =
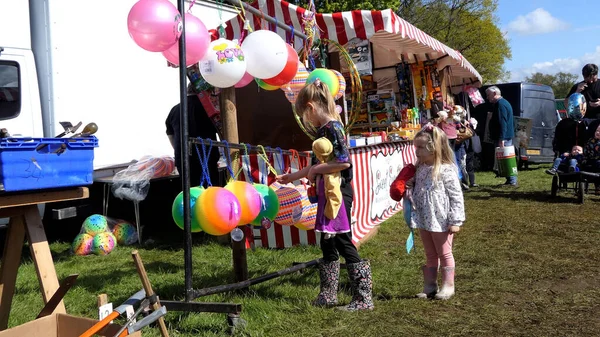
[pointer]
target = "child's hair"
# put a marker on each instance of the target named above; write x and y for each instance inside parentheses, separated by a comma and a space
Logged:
(318, 94)
(437, 143)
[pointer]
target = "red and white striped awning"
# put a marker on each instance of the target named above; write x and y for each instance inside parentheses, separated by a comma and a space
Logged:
(383, 28)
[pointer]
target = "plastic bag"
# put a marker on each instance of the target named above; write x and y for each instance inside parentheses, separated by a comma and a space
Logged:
(99, 235)
(474, 95)
(133, 183)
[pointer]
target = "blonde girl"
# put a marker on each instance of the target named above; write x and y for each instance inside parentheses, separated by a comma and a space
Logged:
(316, 106)
(438, 208)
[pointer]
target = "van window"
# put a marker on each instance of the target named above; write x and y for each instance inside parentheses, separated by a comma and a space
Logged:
(10, 90)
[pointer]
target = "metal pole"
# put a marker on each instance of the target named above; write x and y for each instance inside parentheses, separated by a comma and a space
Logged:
(268, 18)
(246, 147)
(185, 160)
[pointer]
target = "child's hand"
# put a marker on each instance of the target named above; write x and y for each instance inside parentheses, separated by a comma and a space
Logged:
(454, 229)
(283, 179)
(410, 183)
(566, 154)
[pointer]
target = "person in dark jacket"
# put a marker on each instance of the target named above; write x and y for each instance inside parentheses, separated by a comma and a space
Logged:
(501, 126)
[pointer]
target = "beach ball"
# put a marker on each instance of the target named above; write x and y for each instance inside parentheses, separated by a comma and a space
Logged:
(218, 211)
(154, 25)
(266, 53)
(244, 81)
(82, 244)
(125, 233)
(177, 208)
(290, 204)
(95, 224)
(197, 40)
(342, 84)
(224, 65)
(292, 88)
(327, 77)
(264, 85)
(269, 205)
(309, 212)
(249, 198)
(289, 71)
(104, 243)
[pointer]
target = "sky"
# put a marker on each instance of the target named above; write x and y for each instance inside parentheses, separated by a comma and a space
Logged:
(550, 36)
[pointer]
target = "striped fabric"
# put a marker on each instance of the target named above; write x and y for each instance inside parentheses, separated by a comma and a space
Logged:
(364, 218)
(382, 25)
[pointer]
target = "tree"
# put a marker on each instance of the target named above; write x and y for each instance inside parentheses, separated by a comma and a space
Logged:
(560, 82)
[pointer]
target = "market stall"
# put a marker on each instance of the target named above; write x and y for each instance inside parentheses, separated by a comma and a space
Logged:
(400, 68)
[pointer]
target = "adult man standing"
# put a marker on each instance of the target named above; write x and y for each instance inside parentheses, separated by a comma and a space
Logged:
(590, 89)
(199, 125)
(501, 126)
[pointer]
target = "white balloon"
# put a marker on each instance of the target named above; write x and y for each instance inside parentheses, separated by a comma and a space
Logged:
(266, 54)
(224, 64)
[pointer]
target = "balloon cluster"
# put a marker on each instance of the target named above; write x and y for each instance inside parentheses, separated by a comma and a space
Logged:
(98, 238)
(219, 210)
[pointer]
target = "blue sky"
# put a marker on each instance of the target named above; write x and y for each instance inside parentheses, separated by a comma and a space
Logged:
(550, 36)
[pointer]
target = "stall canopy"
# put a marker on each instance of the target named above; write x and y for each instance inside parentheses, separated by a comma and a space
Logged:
(393, 38)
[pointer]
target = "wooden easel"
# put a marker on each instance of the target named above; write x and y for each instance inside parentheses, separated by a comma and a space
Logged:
(25, 220)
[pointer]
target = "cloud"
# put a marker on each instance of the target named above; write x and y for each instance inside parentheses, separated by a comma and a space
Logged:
(567, 65)
(537, 22)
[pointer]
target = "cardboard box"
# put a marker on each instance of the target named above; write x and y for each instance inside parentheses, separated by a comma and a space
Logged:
(60, 325)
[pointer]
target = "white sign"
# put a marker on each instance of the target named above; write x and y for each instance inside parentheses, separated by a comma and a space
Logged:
(360, 52)
(104, 311)
(383, 169)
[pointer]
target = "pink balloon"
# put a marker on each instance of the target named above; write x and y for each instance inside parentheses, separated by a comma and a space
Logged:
(244, 81)
(197, 40)
(154, 25)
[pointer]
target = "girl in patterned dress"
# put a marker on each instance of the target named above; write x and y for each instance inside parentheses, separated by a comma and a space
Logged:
(316, 106)
(438, 208)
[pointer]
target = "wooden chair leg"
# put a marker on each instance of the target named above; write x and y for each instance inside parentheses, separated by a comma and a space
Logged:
(11, 258)
(42, 258)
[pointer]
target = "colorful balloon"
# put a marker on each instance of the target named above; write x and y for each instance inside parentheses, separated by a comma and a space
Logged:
(289, 71)
(266, 53)
(264, 85)
(125, 233)
(309, 212)
(342, 84)
(177, 208)
(244, 81)
(290, 204)
(82, 244)
(249, 198)
(293, 87)
(218, 211)
(269, 205)
(95, 224)
(327, 77)
(104, 243)
(224, 64)
(197, 40)
(154, 25)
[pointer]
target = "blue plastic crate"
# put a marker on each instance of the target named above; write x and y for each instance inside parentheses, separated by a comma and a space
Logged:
(39, 163)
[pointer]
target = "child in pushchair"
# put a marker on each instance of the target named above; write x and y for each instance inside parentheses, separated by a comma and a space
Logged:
(567, 161)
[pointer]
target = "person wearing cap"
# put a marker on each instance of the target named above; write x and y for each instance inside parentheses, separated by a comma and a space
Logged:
(590, 89)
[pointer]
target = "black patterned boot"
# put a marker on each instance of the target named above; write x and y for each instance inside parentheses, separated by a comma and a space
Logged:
(361, 281)
(329, 273)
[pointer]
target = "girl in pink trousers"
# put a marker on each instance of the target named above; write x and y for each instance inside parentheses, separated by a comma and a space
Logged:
(438, 208)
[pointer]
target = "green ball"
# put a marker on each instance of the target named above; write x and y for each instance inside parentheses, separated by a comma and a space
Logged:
(177, 209)
(327, 77)
(95, 224)
(270, 204)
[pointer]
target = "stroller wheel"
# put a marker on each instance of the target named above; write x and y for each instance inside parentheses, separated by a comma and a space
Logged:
(554, 186)
(580, 192)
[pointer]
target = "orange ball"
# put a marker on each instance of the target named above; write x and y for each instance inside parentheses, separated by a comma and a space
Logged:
(249, 198)
(217, 210)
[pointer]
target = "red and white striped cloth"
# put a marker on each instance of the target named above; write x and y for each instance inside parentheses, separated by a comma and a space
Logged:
(400, 154)
(344, 26)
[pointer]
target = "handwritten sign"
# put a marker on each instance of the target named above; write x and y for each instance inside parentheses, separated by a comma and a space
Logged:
(384, 167)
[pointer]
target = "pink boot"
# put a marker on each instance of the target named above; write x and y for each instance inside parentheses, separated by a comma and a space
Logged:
(447, 284)
(430, 287)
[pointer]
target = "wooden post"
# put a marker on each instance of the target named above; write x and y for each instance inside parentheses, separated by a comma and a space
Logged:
(148, 288)
(230, 132)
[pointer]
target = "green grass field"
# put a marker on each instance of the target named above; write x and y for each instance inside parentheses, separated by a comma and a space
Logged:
(527, 265)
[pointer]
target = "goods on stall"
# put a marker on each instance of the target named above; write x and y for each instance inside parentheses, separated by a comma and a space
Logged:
(265, 86)
(82, 244)
(218, 211)
(104, 243)
(177, 208)
(197, 40)
(249, 199)
(154, 25)
(326, 77)
(244, 81)
(266, 54)
(95, 224)
(125, 233)
(269, 205)
(309, 211)
(224, 64)
(290, 204)
(289, 71)
(293, 87)
(100, 234)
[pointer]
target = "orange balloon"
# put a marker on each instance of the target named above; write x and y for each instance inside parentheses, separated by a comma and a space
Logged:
(249, 198)
(218, 211)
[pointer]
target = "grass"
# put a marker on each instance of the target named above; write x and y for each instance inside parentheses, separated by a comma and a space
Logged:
(526, 266)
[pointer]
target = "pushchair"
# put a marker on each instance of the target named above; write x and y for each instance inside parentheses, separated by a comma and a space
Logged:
(574, 181)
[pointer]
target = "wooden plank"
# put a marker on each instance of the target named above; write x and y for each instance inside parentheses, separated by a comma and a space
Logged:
(11, 258)
(65, 285)
(42, 258)
(148, 288)
(102, 300)
(15, 200)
